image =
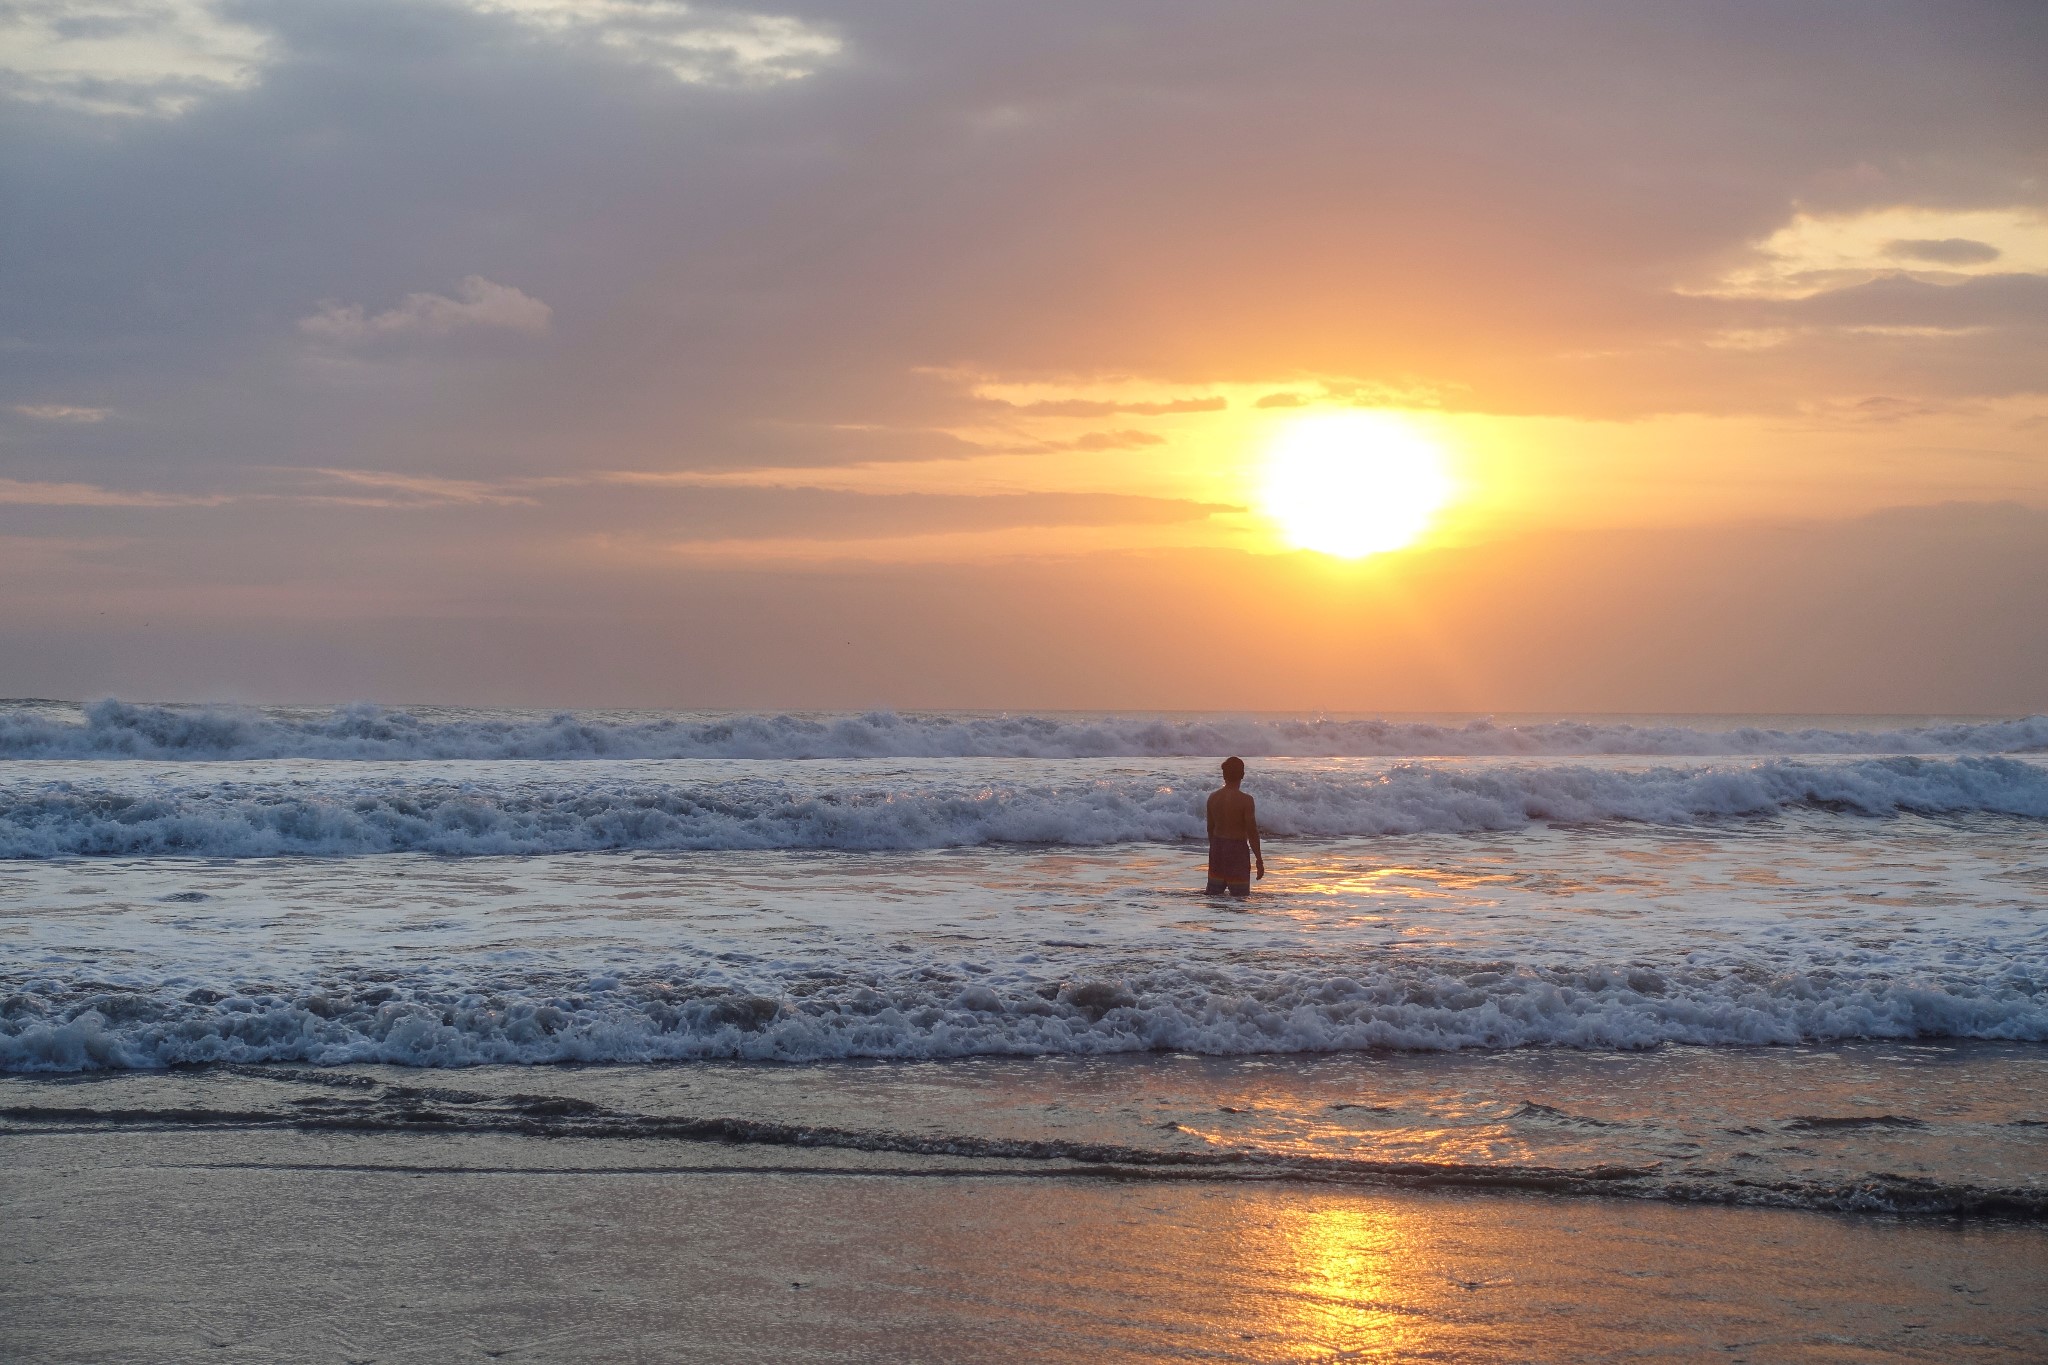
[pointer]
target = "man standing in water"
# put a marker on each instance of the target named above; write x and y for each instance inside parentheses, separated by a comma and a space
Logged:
(1233, 835)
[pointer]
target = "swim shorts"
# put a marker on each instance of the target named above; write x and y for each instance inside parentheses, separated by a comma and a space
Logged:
(1230, 866)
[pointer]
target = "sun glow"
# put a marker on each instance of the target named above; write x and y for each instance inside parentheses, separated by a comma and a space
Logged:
(1352, 484)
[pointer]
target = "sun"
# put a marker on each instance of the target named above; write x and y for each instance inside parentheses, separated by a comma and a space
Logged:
(1353, 484)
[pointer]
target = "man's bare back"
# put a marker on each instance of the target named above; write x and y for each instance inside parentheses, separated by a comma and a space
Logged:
(1232, 814)
(1233, 834)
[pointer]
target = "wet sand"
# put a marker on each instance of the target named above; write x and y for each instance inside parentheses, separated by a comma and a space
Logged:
(266, 1246)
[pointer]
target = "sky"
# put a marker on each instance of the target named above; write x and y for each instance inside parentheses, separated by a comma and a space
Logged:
(937, 353)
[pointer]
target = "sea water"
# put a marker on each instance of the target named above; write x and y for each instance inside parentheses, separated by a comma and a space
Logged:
(1797, 962)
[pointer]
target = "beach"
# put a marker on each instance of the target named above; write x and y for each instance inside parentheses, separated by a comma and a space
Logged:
(237, 1246)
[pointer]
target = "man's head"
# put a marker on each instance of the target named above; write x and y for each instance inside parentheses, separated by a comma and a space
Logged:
(1233, 769)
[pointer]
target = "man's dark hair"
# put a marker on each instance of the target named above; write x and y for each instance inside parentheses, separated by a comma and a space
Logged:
(1233, 769)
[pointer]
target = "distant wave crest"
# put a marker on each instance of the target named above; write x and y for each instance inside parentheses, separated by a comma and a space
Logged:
(558, 814)
(116, 729)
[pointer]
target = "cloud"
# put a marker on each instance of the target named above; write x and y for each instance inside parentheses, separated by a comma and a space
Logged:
(791, 526)
(1121, 439)
(695, 44)
(1815, 253)
(1281, 400)
(480, 304)
(1884, 408)
(1093, 407)
(1899, 301)
(734, 513)
(797, 253)
(149, 58)
(16, 493)
(416, 490)
(1943, 250)
(380, 489)
(162, 58)
(62, 412)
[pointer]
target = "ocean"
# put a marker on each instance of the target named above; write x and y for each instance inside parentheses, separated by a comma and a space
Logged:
(1788, 962)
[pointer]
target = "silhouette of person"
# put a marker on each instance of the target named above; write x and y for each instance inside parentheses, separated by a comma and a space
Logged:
(1233, 835)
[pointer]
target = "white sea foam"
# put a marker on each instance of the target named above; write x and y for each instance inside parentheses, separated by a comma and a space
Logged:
(930, 1012)
(493, 813)
(113, 729)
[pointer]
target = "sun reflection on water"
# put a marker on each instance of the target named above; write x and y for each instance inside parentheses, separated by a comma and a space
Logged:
(1346, 1266)
(1372, 1127)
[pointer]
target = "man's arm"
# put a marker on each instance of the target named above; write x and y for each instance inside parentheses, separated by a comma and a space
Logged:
(1251, 820)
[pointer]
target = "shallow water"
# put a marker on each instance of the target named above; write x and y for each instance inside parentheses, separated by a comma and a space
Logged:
(1928, 1128)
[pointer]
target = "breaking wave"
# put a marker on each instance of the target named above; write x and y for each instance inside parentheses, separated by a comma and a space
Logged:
(348, 816)
(114, 729)
(932, 1011)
